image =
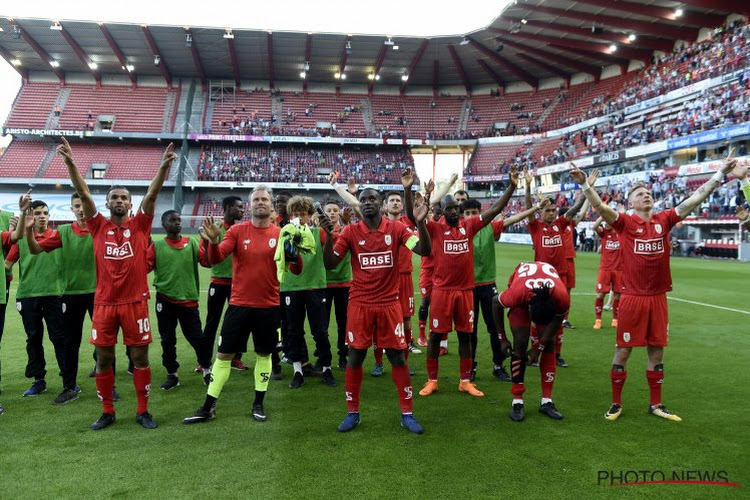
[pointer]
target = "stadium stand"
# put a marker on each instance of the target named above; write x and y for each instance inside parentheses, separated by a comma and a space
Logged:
(122, 161)
(33, 105)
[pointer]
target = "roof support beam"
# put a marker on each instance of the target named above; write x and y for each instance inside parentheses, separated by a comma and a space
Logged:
(118, 53)
(414, 62)
(155, 51)
(491, 73)
(378, 65)
(308, 56)
(628, 52)
(460, 68)
(693, 18)
(549, 67)
(270, 59)
(590, 69)
(197, 59)
(235, 64)
(726, 5)
(623, 63)
(661, 44)
(519, 72)
(82, 56)
(656, 29)
(9, 57)
(342, 65)
(435, 75)
(42, 54)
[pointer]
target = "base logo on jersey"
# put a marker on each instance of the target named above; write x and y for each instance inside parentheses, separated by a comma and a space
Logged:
(552, 241)
(456, 247)
(376, 260)
(649, 247)
(612, 245)
(114, 252)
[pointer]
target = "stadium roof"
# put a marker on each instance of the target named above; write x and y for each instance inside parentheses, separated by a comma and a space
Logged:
(529, 41)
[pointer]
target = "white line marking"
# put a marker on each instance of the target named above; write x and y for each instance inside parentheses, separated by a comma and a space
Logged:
(689, 302)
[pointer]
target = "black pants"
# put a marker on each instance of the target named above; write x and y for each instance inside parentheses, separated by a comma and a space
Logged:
(314, 303)
(240, 322)
(35, 311)
(483, 297)
(75, 308)
(218, 295)
(167, 317)
(339, 296)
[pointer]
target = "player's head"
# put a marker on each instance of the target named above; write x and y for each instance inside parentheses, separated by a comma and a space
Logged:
(461, 196)
(171, 222)
(370, 203)
(541, 305)
(281, 201)
(76, 206)
(451, 210)
(260, 202)
(40, 211)
(273, 216)
(233, 207)
(333, 211)
(639, 197)
(394, 204)
(300, 207)
(471, 208)
(549, 214)
(118, 201)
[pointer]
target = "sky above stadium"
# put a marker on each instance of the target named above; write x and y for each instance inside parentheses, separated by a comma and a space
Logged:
(413, 17)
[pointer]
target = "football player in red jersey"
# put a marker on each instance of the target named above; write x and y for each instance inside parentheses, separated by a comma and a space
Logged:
(646, 277)
(121, 297)
(609, 276)
(535, 294)
(375, 244)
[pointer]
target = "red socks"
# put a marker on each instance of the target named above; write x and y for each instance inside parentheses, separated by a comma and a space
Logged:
(615, 309)
(548, 368)
(422, 329)
(378, 353)
(407, 332)
(598, 307)
(105, 383)
(432, 369)
(353, 386)
(142, 382)
(618, 382)
(517, 390)
(655, 380)
(465, 366)
(401, 378)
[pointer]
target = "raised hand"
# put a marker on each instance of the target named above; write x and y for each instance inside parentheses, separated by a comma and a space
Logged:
(346, 215)
(169, 156)
(593, 177)
(325, 223)
(29, 219)
(528, 178)
(420, 211)
(429, 187)
(65, 151)
(742, 214)
(333, 177)
(13, 223)
(729, 163)
(578, 175)
(543, 201)
(740, 171)
(407, 179)
(210, 231)
(351, 186)
(24, 201)
(513, 175)
(453, 179)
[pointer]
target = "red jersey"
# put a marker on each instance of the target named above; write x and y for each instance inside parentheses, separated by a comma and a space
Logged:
(48, 234)
(375, 257)
(568, 243)
(453, 251)
(254, 279)
(529, 275)
(54, 241)
(547, 240)
(120, 254)
(645, 252)
(404, 261)
(610, 260)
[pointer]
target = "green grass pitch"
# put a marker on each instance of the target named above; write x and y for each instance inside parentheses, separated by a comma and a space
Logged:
(470, 448)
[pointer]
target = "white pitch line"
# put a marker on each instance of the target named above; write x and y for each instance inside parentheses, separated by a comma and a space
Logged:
(688, 302)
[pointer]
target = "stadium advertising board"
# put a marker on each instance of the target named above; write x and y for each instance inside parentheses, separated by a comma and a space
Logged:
(707, 167)
(59, 204)
(486, 178)
(610, 157)
(710, 136)
(306, 140)
(42, 132)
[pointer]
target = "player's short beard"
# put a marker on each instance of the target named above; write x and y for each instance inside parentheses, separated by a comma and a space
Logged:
(119, 211)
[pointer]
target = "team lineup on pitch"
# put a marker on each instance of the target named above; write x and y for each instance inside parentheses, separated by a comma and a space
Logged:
(295, 258)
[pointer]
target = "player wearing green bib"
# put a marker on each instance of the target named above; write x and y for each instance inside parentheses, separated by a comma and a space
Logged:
(174, 261)
(39, 295)
(305, 293)
(338, 282)
(79, 284)
(742, 213)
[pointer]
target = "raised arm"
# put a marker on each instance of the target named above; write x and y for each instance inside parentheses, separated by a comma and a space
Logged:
(597, 227)
(528, 180)
(443, 190)
(424, 246)
(497, 207)
(330, 259)
(407, 180)
(541, 205)
(576, 208)
(579, 176)
(345, 195)
(89, 207)
(149, 201)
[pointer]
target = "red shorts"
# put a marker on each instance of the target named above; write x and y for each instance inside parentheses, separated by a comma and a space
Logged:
(643, 320)
(449, 307)
(564, 279)
(131, 318)
(381, 324)
(571, 275)
(406, 294)
(425, 283)
(605, 278)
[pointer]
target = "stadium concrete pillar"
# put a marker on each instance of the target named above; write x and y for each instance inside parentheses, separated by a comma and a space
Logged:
(178, 198)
